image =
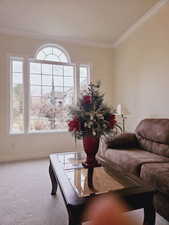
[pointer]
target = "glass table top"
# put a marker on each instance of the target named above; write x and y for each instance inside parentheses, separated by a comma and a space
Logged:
(90, 181)
(70, 160)
(102, 181)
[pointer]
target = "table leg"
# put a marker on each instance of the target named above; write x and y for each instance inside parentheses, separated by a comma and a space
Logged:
(90, 177)
(75, 214)
(149, 215)
(74, 222)
(53, 180)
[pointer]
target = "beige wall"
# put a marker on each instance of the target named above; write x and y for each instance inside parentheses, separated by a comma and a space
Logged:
(141, 70)
(15, 147)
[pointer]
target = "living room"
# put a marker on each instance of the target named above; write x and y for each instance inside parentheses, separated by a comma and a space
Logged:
(123, 45)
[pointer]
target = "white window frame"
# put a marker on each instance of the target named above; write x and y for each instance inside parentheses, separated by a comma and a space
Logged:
(26, 87)
(21, 59)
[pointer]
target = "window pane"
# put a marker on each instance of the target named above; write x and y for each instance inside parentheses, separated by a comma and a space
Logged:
(17, 67)
(47, 69)
(68, 71)
(35, 101)
(46, 80)
(52, 58)
(35, 68)
(84, 77)
(58, 81)
(41, 55)
(68, 81)
(48, 51)
(63, 58)
(39, 124)
(59, 89)
(68, 95)
(17, 78)
(83, 83)
(58, 70)
(18, 91)
(17, 123)
(83, 71)
(35, 90)
(57, 51)
(35, 79)
(46, 91)
(17, 98)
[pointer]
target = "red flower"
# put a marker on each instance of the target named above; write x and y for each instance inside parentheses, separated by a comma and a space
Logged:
(112, 121)
(87, 99)
(74, 124)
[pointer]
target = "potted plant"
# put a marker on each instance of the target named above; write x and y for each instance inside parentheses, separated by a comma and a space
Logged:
(91, 119)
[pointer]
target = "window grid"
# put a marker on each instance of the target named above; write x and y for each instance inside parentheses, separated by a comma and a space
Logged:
(60, 57)
(52, 85)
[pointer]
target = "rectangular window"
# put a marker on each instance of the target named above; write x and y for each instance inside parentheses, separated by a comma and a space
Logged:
(51, 93)
(16, 96)
(50, 88)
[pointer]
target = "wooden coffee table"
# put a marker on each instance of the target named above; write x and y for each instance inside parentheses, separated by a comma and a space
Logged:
(78, 185)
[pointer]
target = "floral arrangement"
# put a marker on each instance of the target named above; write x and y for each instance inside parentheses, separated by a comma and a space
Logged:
(91, 117)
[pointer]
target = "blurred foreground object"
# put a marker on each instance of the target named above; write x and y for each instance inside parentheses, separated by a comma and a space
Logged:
(108, 210)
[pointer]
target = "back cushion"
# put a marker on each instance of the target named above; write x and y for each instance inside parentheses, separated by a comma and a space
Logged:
(153, 135)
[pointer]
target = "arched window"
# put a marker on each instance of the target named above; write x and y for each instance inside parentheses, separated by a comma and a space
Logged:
(51, 86)
(53, 53)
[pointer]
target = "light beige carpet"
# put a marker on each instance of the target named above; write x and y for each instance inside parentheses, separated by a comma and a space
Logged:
(25, 196)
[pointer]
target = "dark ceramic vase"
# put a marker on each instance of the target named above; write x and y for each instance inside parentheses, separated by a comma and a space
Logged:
(91, 146)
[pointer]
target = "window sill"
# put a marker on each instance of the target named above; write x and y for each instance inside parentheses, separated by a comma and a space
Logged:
(15, 134)
(39, 132)
(47, 132)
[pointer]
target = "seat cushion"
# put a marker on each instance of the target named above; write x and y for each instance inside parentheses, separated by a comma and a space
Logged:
(157, 175)
(131, 160)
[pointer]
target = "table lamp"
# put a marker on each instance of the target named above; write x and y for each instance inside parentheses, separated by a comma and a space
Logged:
(120, 112)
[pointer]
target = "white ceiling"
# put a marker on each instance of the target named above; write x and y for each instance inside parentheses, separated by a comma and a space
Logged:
(97, 21)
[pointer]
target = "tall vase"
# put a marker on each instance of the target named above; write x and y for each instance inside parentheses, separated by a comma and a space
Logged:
(91, 146)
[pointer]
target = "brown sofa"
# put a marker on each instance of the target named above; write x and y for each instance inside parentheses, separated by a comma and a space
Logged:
(145, 153)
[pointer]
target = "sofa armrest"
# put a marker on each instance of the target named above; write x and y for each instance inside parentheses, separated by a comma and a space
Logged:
(122, 141)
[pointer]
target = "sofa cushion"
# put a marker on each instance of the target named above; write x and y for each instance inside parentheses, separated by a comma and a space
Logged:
(126, 140)
(153, 135)
(132, 160)
(157, 175)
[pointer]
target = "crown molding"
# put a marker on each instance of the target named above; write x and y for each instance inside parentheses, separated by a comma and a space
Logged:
(152, 11)
(39, 36)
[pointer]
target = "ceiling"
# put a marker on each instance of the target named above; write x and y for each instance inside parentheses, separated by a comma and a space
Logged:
(95, 21)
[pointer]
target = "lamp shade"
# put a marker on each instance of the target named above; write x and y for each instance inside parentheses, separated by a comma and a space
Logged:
(119, 109)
